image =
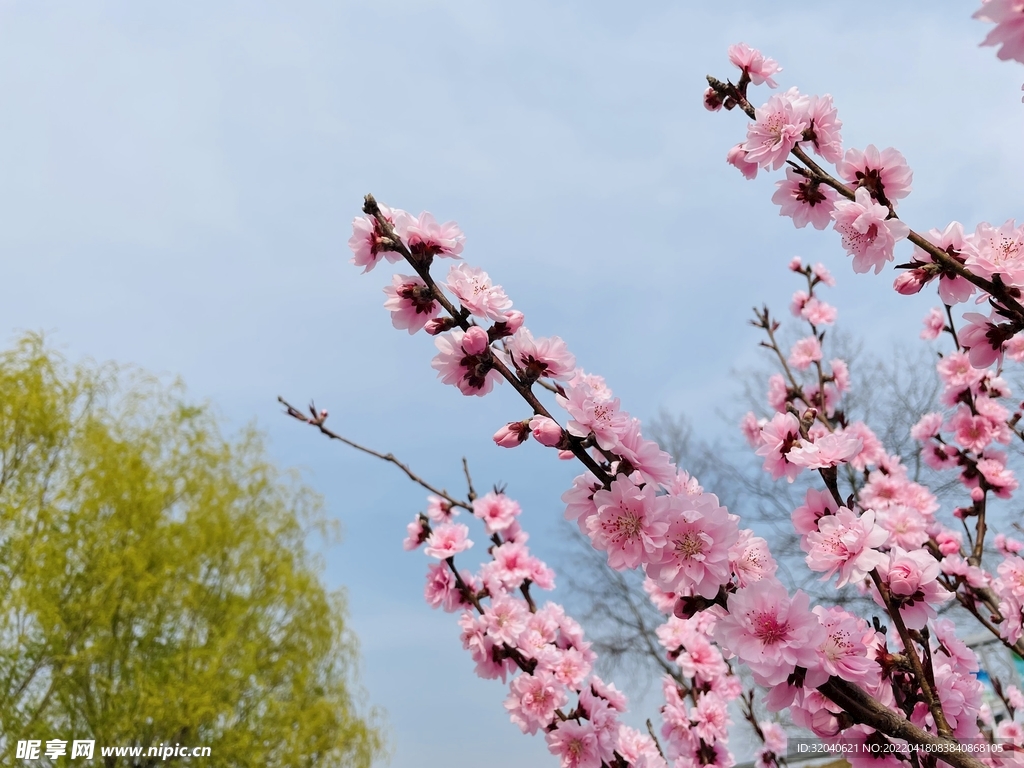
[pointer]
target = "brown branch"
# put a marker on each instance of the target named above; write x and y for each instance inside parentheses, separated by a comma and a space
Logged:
(867, 711)
(318, 422)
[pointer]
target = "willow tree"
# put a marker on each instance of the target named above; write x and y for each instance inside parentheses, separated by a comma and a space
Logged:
(155, 582)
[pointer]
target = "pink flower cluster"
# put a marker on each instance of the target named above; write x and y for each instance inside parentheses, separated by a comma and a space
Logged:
(861, 197)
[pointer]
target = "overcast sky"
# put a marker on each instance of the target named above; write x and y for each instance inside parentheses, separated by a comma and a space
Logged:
(177, 182)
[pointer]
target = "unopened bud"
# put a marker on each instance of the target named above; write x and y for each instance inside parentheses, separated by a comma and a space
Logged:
(513, 434)
(475, 341)
(712, 101)
(546, 431)
(439, 325)
(910, 282)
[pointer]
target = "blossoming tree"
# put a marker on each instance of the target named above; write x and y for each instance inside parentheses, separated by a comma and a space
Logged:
(898, 689)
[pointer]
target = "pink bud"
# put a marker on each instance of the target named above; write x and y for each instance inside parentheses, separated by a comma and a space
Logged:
(977, 494)
(796, 264)
(909, 283)
(515, 320)
(438, 325)
(512, 434)
(948, 545)
(738, 157)
(712, 101)
(475, 341)
(546, 431)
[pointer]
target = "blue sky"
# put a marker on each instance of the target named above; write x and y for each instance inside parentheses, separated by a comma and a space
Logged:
(177, 183)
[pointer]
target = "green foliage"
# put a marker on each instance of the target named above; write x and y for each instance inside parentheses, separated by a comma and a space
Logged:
(155, 584)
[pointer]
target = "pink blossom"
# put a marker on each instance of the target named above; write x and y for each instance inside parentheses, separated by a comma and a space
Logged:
(579, 500)
(737, 157)
(639, 749)
(1014, 348)
(367, 241)
(416, 534)
(953, 288)
(646, 456)
(821, 273)
(448, 540)
(868, 235)
(934, 323)
(440, 590)
(696, 552)
(711, 718)
(593, 413)
(954, 565)
(473, 288)
(824, 128)
(957, 373)
(907, 527)
(497, 511)
(816, 505)
(803, 200)
(972, 432)
(1009, 588)
(840, 374)
(778, 438)
(511, 566)
(843, 652)
(661, 599)
(534, 699)
(513, 434)
(817, 312)
(546, 431)
(410, 302)
(751, 427)
(1006, 545)
(574, 743)
(465, 361)
(998, 476)
(885, 174)
(440, 510)
(427, 238)
(872, 452)
(750, 559)
(1008, 16)
(778, 127)
(845, 543)
(912, 580)
(956, 650)
(982, 339)
(505, 619)
(775, 738)
(630, 523)
(758, 67)
(998, 251)
(480, 646)
(805, 352)
(770, 632)
(778, 392)
(541, 358)
(829, 450)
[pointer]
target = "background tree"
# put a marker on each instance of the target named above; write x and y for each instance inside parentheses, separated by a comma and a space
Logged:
(155, 580)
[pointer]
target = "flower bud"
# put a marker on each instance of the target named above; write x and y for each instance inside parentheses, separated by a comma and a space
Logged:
(475, 341)
(738, 157)
(438, 325)
(911, 282)
(712, 101)
(512, 434)
(546, 431)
